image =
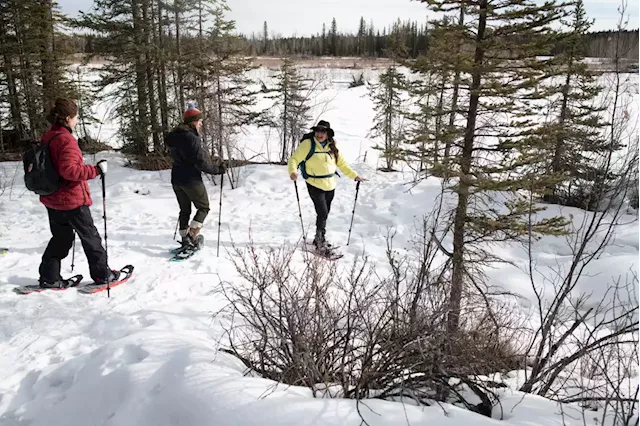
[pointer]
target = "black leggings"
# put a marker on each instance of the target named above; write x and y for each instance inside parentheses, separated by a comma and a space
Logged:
(322, 202)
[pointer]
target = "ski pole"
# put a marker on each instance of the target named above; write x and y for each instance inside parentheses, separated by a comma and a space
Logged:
(220, 213)
(300, 211)
(353, 212)
(176, 231)
(106, 244)
(73, 253)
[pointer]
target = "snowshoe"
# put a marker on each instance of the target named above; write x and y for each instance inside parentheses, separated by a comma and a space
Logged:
(56, 286)
(311, 245)
(329, 253)
(118, 277)
(188, 250)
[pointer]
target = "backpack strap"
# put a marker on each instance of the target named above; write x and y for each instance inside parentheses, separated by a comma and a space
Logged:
(303, 168)
(51, 140)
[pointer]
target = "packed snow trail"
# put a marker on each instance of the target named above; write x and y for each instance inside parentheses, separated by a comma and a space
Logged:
(148, 356)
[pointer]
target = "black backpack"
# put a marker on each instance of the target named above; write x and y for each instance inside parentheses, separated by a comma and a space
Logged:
(39, 174)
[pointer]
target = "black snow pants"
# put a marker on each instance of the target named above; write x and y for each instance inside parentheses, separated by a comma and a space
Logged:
(62, 224)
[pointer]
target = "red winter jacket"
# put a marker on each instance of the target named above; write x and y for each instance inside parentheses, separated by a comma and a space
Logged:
(68, 162)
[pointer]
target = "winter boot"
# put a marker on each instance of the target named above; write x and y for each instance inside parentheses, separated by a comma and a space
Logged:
(113, 276)
(194, 230)
(319, 241)
(55, 284)
(327, 244)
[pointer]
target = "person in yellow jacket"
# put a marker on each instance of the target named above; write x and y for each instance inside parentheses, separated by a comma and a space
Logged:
(320, 171)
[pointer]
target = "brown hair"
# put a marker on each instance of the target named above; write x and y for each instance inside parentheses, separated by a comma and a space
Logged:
(333, 148)
(60, 110)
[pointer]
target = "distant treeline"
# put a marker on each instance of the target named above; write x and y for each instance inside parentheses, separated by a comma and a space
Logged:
(409, 39)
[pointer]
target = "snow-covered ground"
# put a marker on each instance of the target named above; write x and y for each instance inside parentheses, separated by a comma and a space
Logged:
(148, 356)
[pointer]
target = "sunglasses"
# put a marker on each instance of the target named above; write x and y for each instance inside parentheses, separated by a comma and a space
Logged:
(321, 130)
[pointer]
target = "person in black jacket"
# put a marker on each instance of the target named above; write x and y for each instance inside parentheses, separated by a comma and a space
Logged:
(189, 162)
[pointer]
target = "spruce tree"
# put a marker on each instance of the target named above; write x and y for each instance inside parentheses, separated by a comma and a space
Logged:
(121, 26)
(32, 71)
(231, 101)
(501, 42)
(389, 106)
(362, 34)
(265, 38)
(292, 106)
(435, 95)
(333, 36)
(573, 137)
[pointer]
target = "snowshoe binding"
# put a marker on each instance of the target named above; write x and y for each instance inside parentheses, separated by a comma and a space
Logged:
(44, 285)
(115, 279)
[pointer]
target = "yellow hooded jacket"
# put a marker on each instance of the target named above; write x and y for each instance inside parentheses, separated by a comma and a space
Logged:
(320, 164)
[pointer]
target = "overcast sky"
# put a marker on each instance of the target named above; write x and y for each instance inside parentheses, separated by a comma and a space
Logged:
(304, 17)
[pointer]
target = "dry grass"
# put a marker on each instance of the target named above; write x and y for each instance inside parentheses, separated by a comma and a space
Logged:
(275, 62)
(149, 162)
(10, 156)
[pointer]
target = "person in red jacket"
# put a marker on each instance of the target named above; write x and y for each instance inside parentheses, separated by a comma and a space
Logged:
(68, 207)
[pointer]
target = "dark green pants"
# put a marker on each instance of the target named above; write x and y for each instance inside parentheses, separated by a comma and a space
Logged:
(195, 193)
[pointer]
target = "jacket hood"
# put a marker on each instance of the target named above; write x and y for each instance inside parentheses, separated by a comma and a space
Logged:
(176, 134)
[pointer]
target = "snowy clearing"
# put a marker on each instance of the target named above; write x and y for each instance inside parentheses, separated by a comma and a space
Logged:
(148, 355)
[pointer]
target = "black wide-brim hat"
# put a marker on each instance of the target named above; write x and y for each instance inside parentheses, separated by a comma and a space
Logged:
(324, 125)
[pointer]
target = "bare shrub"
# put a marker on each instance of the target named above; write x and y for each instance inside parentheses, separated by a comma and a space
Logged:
(150, 161)
(357, 334)
(90, 146)
(585, 348)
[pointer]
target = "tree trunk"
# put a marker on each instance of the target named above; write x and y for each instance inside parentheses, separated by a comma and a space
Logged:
(201, 92)
(14, 100)
(149, 66)
(26, 76)
(142, 131)
(389, 123)
(47, 60)
(180, 88)
(439, 114)
(162, 74)
(174, 71)
(7, 56)
(457, 279)
(558, 151)
(285, 123)
(456, 90)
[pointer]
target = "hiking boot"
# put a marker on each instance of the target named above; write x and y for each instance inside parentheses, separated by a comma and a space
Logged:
(319, 241)
(324, 238)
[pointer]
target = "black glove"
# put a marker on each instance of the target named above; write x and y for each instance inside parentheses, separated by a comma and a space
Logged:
(222, 168)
